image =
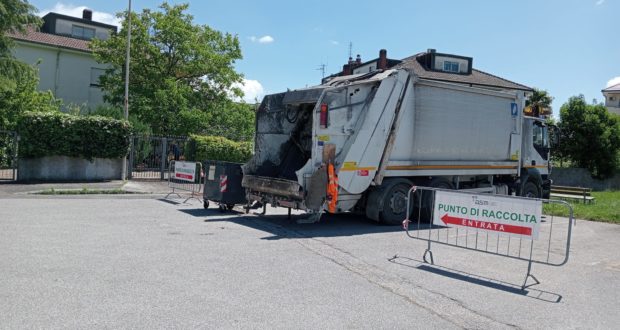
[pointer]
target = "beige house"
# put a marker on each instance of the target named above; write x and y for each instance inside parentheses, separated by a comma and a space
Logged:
(66, 65)
(612, 98)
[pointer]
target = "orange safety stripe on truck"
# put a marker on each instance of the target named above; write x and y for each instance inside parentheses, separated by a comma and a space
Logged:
(350, 169)
(447, 167)
(433, 167)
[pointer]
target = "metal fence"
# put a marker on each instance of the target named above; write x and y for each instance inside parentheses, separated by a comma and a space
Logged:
(191, 185)
(550, 247)
(9, 142)
(150, 156)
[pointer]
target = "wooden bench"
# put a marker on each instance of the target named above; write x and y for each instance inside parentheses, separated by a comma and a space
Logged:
(576, 193)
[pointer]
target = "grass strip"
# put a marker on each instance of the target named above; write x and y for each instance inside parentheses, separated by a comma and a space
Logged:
(83, 191)
(605, 208)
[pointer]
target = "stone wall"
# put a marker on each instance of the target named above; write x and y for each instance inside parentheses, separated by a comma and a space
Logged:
(61, 168)
(580, 177)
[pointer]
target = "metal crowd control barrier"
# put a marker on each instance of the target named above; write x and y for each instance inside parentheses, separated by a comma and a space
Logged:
(551, 247)
(186, 177)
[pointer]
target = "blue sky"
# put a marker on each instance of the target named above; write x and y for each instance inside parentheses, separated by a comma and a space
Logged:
(567, 47)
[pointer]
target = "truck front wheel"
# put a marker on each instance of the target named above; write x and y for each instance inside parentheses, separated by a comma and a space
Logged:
(530, 190)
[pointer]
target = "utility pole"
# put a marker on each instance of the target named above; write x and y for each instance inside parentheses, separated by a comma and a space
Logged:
(126, 112)
(127, 62)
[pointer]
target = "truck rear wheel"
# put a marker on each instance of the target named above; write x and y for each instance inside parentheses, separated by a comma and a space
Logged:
(395, 201)
(424, 198)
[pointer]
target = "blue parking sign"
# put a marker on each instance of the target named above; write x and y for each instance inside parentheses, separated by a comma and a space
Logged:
(514, 110)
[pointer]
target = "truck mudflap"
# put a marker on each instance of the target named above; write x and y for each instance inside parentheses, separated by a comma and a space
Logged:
(272, 186)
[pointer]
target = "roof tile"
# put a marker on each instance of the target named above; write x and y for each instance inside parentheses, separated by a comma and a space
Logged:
(32, 35)
(614, 88)
(476, 77)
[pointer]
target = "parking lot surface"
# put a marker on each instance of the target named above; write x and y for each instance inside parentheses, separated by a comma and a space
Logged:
(144, 262)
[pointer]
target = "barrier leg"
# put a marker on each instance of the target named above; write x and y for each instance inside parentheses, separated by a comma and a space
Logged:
(173, 192)
(528, 275)
(529, 271)
(429, 253)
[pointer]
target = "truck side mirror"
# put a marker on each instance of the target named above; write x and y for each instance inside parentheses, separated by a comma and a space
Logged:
(554, 136)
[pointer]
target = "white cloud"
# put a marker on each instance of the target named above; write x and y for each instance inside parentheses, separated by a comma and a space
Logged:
(76, 11)
(267, 39)
(252, 90)
(600, 2)
(334, 42)
(613, 82)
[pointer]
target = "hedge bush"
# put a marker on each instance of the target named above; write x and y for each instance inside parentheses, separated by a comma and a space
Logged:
(59, 134)
(219, 148)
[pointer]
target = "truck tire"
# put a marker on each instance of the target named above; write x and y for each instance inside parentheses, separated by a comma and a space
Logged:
(424, 204)
(530, 190)
(394, 201)
(205, 204)
(441, 183)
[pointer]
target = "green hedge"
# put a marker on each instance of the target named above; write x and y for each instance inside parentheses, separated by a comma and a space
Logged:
(59, 134)
(219, 148)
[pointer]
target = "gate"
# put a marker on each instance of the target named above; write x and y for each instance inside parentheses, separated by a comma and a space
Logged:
(8, 155)
(150, 156)
(499, 225)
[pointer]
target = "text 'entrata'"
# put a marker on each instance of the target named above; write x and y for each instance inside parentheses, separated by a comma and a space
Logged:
(494, 226)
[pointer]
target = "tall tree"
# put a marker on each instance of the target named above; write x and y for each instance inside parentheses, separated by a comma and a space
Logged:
(16, 15)
(540, 102)
(18, 80)
(590, 136)
(179, 71)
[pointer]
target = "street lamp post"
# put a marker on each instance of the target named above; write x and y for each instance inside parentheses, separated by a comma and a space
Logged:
(126, 108)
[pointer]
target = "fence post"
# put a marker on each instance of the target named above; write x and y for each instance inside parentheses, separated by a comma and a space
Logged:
(15, 160)
(164, 157)
(131, 157)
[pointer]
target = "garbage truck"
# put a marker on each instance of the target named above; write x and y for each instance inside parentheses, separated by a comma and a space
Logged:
(359, 142)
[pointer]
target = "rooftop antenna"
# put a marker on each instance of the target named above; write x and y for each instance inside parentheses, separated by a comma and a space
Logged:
(321, 68)
(350, 49)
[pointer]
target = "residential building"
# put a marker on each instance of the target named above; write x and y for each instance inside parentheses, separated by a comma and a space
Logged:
(612, 98)
(432, 65)
(66, 65)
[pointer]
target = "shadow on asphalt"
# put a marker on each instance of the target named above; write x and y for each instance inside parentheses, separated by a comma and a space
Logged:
(280, 226)
(283, 227)
(477, 279)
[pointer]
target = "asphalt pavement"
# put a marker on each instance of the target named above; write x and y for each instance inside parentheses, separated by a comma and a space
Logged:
(142, 261)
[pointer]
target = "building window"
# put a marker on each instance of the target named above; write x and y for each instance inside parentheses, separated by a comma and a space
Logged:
(611, 98)
(451, 66)
(95, 74)
(82, 32)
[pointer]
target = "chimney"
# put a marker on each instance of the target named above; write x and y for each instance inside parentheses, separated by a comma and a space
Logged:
(346, 70)
(358, 60)
(87, 14)
(382, 65)
(431, 50)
